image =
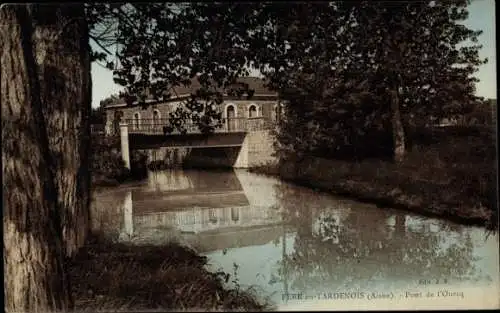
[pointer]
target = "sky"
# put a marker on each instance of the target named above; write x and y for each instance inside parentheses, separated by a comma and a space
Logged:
(481, 17)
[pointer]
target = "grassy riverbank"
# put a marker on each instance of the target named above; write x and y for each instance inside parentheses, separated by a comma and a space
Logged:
(118, 277)
(448, 173)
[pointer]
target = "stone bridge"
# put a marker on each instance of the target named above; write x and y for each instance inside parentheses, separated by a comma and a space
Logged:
(238, 143)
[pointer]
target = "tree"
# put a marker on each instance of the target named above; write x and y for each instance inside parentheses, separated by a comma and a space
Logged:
(113, 99)
(61, 37)
(417, 54)
(45, 93)
(309, 63)
(353, 69)
(165, 45)
(34, 209)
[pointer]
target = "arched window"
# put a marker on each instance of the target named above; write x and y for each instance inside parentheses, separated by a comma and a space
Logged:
(137, 120)
(252, 111)
(231, 117)
(156, 118)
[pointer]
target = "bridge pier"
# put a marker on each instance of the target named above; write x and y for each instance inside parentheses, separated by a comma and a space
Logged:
(242, 158)
(125, 144)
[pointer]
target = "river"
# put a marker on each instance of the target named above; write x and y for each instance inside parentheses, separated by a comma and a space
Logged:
(303, 249)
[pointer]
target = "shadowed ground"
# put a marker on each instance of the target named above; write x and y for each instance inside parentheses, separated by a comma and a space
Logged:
(114, 277)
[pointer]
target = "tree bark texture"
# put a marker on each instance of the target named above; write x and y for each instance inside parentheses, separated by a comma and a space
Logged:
(398, 133)
(62, 54)
(34, 277)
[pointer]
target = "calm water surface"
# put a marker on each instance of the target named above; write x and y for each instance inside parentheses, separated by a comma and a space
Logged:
(320, 250)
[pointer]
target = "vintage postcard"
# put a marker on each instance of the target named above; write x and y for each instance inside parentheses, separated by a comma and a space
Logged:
(255, 156)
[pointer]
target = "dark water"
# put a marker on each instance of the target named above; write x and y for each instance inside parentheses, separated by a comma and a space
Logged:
(320, 250)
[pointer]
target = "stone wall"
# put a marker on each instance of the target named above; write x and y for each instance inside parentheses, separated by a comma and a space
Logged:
(260, 148)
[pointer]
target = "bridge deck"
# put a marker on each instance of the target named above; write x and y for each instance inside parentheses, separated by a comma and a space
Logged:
(154, 133)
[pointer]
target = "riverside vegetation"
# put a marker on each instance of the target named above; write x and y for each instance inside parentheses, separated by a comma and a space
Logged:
(107, 166)
(449, 172)
(111, 276)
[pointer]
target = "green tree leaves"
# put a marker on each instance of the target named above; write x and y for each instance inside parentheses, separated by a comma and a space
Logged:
(337, 65)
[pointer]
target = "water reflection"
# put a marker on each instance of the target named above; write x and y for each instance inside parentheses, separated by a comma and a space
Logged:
(185, 180)
(284, 238)
(207, 213)
(363, 247)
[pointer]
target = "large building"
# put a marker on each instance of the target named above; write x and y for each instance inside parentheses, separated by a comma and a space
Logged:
(263, 105)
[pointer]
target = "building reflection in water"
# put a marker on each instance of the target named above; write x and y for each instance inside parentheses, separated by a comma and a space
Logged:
(215, 208)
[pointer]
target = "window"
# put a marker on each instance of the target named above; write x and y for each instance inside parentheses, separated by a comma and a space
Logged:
(156, 118)
(230, 112)
(230, 115)
(137, 120)
(252, 111)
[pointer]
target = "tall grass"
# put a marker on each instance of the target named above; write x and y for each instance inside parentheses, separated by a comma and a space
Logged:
(117, 277)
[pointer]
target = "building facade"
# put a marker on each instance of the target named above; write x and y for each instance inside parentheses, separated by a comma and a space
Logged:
(263, 105)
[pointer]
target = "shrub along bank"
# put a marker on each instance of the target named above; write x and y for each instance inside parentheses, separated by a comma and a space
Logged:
(448, 173)
(107, 166)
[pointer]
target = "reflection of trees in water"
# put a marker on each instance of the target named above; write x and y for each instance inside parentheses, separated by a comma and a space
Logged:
(361, 247)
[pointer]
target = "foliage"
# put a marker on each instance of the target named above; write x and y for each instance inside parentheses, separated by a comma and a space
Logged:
(420, 46)
(106, 162)
(165, 45)
(97, 116)
(337, 65)
(113, 99)
(338, 71)
(107, 165)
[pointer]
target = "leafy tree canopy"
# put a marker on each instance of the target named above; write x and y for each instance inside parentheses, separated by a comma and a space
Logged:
(335, 63)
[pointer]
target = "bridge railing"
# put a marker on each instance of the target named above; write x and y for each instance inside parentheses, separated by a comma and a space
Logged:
(237, 124)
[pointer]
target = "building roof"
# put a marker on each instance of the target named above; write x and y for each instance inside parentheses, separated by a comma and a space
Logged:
(254, 83)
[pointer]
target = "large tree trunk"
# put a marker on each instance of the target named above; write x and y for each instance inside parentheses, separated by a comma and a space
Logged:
(35, 279)
(398, 133)
(62, 53)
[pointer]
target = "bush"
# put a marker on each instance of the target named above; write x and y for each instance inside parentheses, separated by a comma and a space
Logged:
(107, 166)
